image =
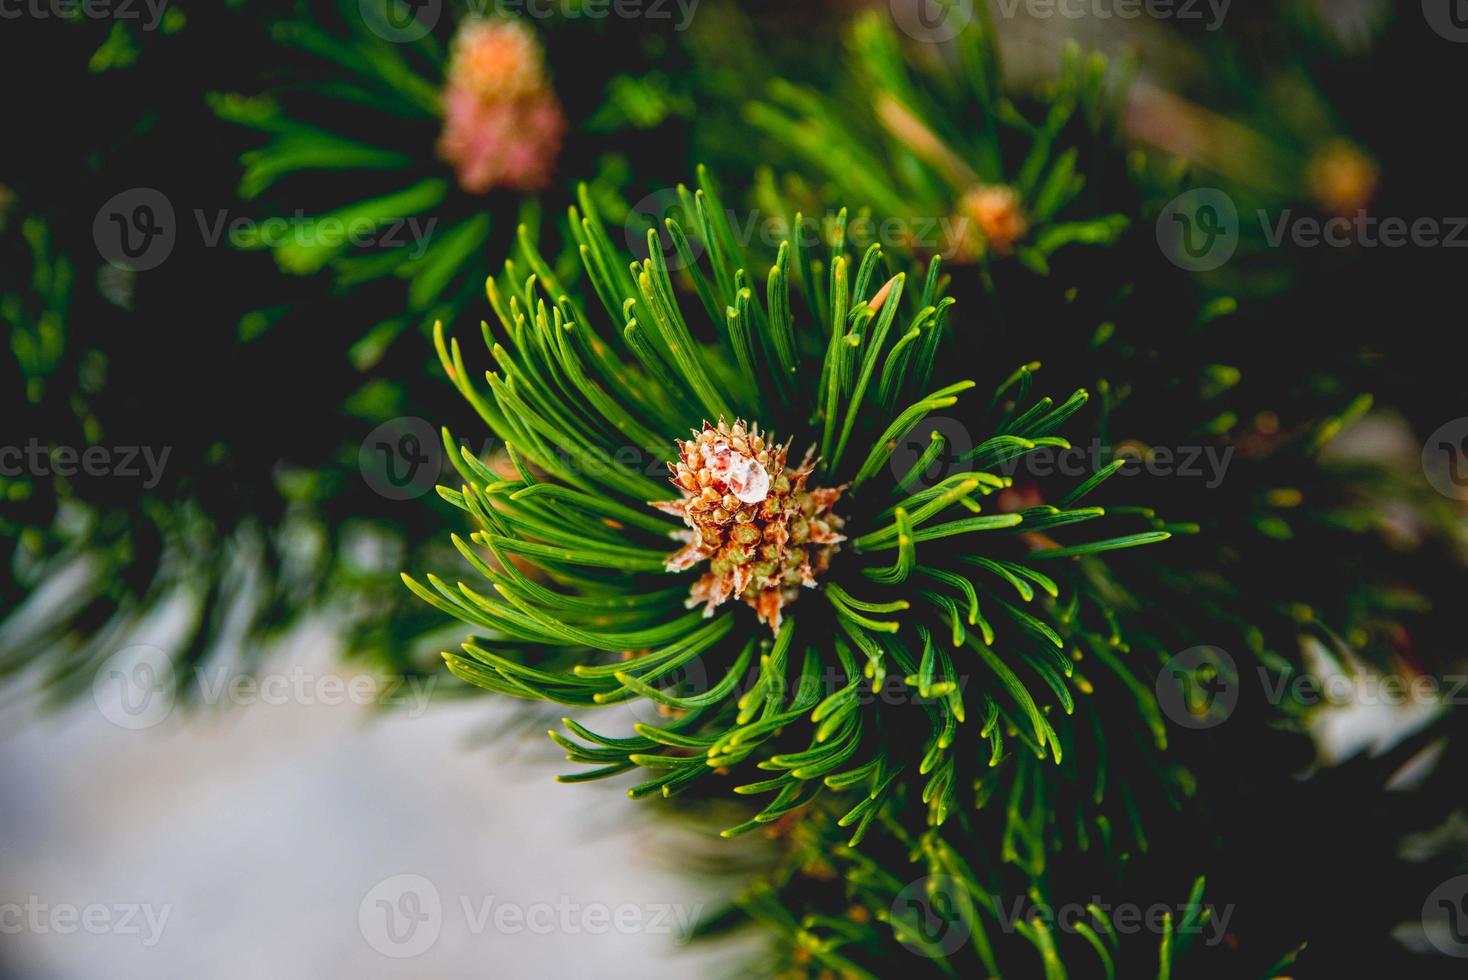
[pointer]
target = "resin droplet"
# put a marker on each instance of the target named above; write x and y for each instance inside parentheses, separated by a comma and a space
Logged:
(747, 479)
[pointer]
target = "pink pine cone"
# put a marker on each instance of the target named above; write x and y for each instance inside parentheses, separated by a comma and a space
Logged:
(502, 143)
(497, 60)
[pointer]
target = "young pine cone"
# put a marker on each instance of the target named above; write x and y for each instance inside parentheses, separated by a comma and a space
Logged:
(763, 533)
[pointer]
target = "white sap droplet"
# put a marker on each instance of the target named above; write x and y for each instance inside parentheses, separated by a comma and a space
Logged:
(748, 480)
